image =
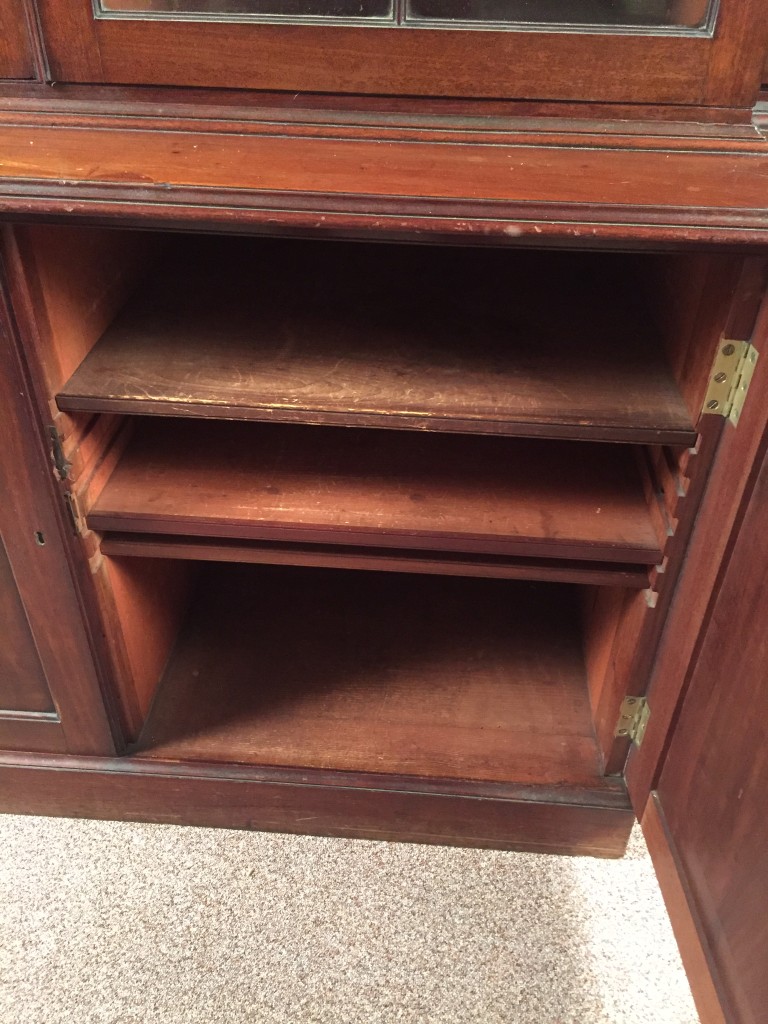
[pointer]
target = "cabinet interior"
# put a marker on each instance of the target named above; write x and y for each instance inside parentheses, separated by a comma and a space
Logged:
(374, 508)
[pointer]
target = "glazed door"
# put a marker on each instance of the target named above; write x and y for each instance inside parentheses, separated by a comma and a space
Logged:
(707, 822)
(699, 52)
(15, 51)
(50, 699)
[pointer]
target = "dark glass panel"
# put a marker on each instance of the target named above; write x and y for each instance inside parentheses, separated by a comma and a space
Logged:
(272, 9)
(608, 13)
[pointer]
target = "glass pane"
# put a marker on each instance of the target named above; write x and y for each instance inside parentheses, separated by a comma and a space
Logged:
(242, 9)
(608, 13)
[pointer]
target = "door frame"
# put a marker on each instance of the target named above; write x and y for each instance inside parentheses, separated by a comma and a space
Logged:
(722, 69)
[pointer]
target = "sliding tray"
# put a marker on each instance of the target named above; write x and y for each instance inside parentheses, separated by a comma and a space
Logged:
(318, 485)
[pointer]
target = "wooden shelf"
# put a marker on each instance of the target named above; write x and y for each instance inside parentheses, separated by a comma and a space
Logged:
(338, 556)
(314, 485)
(385, 673)
(471, 341)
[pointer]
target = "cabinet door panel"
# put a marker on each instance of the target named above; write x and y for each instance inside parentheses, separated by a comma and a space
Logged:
(15, 51)
(635, 51)
(23, 686)
(50, 695)
(710, 806)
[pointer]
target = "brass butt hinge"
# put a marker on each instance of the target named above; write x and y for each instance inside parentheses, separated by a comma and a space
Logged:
(730, 379)
(633, 719)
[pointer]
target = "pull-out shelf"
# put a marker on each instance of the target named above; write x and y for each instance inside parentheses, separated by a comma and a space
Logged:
(505, 497)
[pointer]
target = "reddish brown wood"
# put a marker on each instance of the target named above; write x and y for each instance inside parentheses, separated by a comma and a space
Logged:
(23, 685)
(686, 922)
(431, 338)
(689, 296)
(728, 309)
(621, 67)
(16, 60)
(64, 102)
(38, 731)
(30, 526)
(448, 678)
(733, 455)
(383, 488)
(713, 783)
(463, 178)
(142, 604)
(314, 802)
(75, 279)
(337, 556)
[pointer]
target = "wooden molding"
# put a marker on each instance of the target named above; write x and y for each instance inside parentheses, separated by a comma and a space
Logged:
(522, 181)
(314, 803)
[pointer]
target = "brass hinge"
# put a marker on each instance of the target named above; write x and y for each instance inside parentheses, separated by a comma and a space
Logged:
(633, 719)
(730, 379)
(60, 461)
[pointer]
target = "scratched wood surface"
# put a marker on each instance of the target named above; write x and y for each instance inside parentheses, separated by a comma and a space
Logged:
(378, 672)
(384, 488)
(435, 338)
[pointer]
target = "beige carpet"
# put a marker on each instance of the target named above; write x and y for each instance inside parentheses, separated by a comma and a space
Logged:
(104, 923)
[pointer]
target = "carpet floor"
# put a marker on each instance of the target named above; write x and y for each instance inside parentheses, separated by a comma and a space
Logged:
(107, 923)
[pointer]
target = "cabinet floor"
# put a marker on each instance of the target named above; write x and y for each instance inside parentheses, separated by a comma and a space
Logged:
(481, 680)
(124, 922)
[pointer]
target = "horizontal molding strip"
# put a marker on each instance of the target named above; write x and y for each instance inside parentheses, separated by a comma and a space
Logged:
(458, 177)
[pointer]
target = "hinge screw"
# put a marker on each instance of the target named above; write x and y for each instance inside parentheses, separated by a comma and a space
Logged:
(728, 350)
(721, 378)
(713, 403)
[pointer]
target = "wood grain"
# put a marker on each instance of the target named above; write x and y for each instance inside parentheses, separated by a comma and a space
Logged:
(16, 59)
(713, 783)
(537, 819)
(23, 686)
(451, 678)
(30, 512)
(390, 336)
(466, 178)
(732, 456)
(686, 922)
(337, 556)
(502, 496)
(583, 66)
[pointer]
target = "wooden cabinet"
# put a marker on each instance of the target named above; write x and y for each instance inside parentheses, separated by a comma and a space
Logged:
(314, 528)
(422, 483)
(635, 51)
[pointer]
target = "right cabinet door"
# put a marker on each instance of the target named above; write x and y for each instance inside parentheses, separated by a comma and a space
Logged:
(710, 809)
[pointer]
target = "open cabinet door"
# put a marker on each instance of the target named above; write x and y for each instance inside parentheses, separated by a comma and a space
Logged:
(50, 695)
(707, 820)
